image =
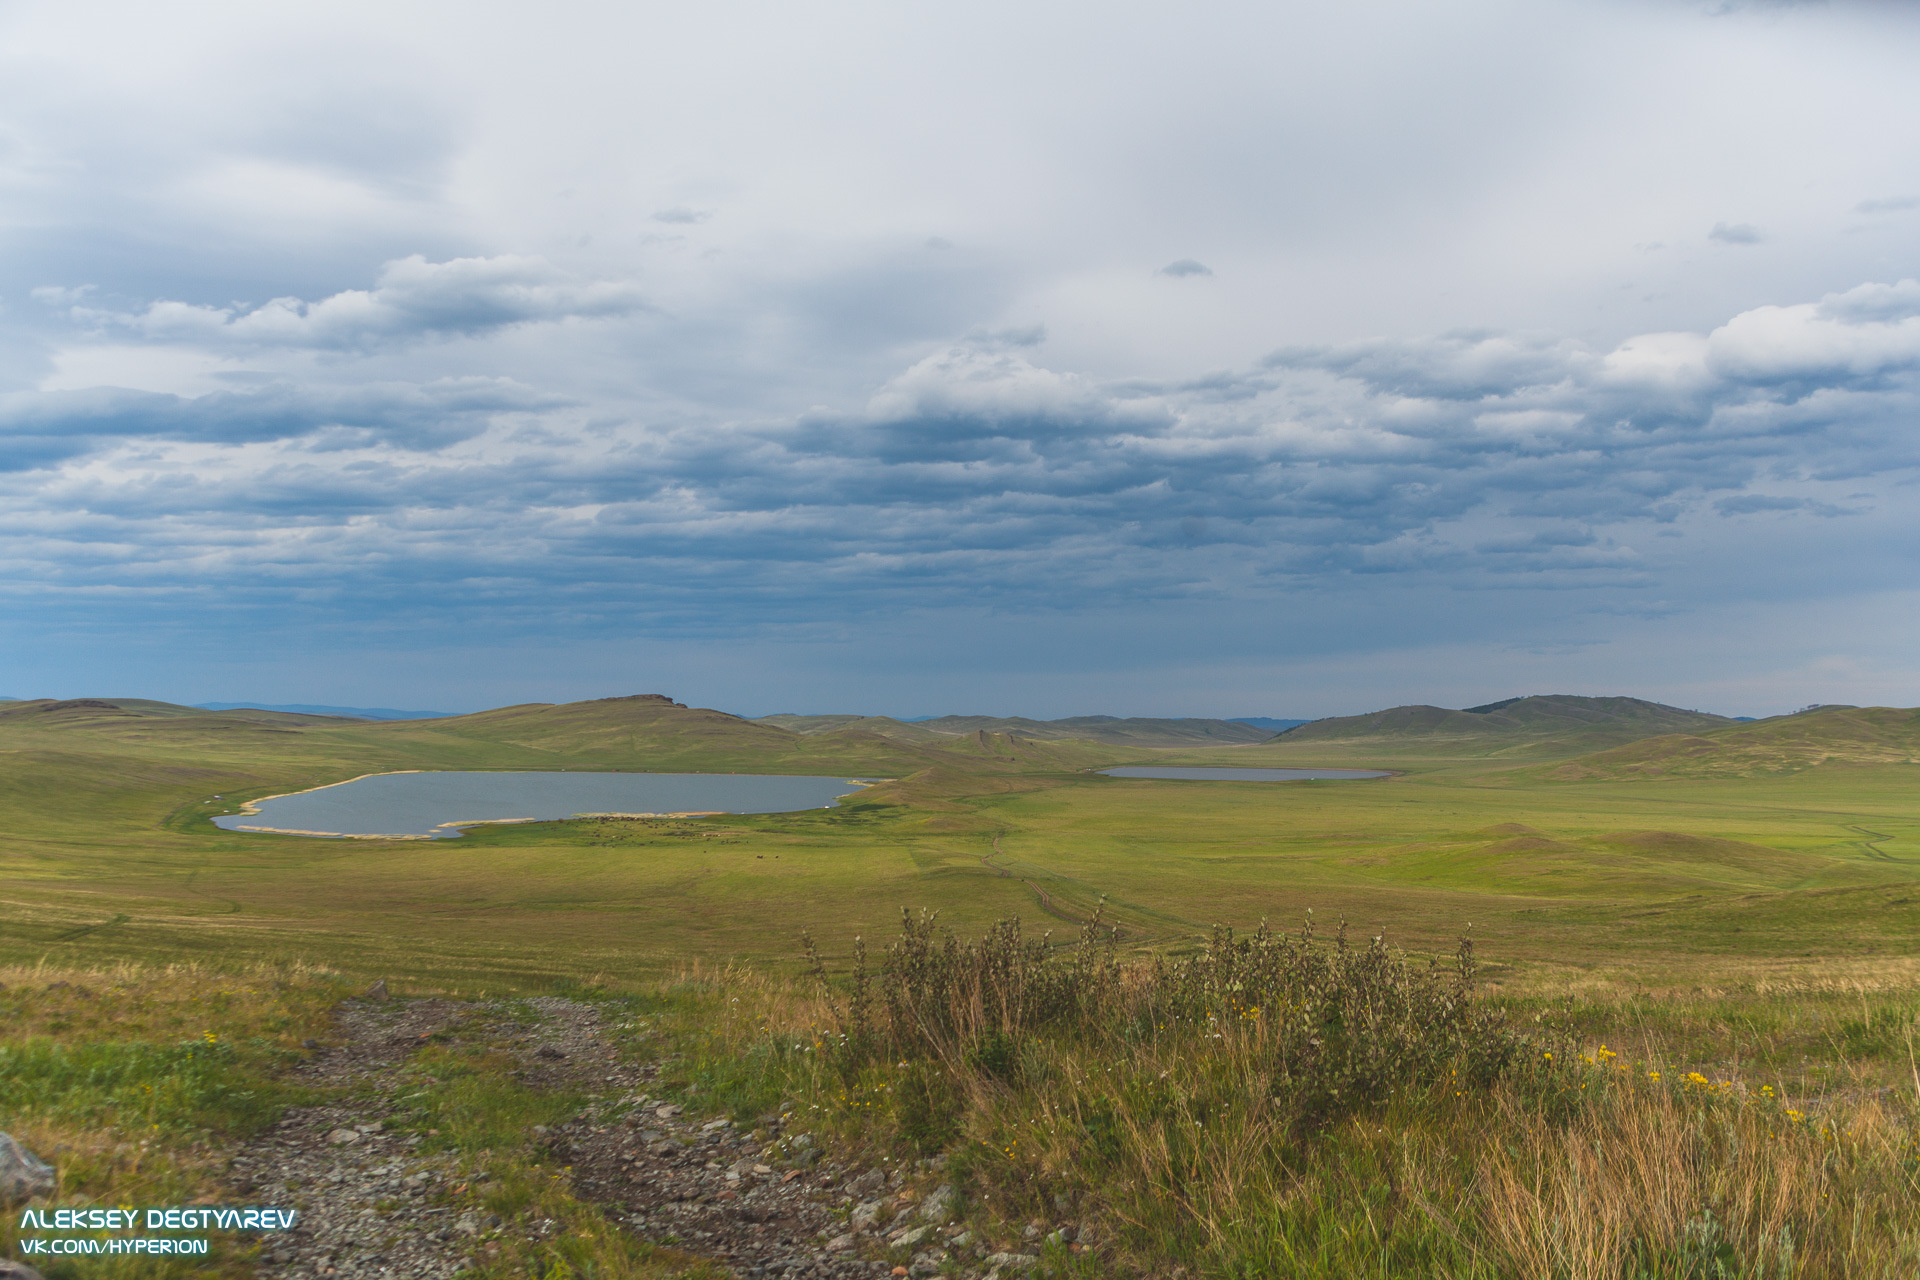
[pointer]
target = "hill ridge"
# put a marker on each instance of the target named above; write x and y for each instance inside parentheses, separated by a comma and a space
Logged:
(1808, 739)
(1130, 731)
(1570, 723)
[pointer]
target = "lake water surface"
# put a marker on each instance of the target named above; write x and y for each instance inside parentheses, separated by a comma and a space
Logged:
(431, 804)
(1239, 775)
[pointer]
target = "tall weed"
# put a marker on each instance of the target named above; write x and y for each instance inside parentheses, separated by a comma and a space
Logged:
(1280, 1105)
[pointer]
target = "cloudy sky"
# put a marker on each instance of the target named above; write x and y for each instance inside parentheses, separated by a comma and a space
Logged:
(1226, 358)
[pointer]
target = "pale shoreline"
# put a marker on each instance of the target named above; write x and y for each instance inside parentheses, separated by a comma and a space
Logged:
(251, 808)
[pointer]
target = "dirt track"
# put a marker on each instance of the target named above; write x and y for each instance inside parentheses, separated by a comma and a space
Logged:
(372, 1206)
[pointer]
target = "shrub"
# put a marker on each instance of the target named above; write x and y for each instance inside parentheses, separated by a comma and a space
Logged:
(1325, 1028)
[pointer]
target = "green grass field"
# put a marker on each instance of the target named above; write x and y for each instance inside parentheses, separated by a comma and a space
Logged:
(1566, 873)
(1702, 940)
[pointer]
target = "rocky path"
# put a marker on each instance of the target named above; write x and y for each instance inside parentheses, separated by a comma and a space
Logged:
(366, 1197)
(760, 1203)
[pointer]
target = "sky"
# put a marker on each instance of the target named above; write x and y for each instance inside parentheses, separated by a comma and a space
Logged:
(1227, 358)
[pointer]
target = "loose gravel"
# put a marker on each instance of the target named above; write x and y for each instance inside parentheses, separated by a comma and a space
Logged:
(765, 1204)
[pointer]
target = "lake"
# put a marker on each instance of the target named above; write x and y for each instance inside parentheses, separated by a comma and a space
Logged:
(1240, 775)
(437, 804)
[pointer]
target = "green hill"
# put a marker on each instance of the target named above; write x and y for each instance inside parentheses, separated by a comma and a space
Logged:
(649, 732)
(1783, 744)
(54, 712)
(1539, 725)
(110, 851)
(885, 726)
(1133, 731)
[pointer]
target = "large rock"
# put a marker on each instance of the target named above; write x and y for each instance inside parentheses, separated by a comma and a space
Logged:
(939, 1206)
(17, 1271)
(23, 1175)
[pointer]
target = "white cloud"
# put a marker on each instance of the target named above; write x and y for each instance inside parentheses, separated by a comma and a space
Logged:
(991, 384)
(413, 298)
(1676, 360)
(1865, 331)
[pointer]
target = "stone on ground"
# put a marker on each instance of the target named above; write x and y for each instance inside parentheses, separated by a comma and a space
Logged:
(23, 1175)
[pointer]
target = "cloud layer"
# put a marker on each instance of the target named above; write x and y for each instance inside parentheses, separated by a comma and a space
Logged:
(1257, 340)
(977, 473)
(413, 299)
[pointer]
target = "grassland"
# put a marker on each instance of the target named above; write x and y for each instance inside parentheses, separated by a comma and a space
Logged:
(1568, 871)
(1732, 903)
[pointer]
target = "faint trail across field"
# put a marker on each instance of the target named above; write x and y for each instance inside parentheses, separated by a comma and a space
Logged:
(1870, 845)
(1045, 899)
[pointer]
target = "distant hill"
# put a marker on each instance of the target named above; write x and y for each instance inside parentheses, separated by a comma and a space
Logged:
(1269, 724)
(1137, 731)
(1821, 736)
(885, 726)
(642, 732)
(651, 731)
(56, 711)
(1531, 725)
(302, 708)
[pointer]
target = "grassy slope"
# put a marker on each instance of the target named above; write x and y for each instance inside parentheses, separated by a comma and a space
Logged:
(884, 726)
(1799, 861)
(1139, 731)
(1542, 726)
(1131, 732)
(1784, 744)
(111, 854)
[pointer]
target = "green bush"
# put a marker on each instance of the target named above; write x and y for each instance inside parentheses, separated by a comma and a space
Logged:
(1329, 1027)
(927, 1106)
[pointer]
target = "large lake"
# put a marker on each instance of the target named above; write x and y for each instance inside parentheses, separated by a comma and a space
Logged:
(437, 804)
(1239, 775)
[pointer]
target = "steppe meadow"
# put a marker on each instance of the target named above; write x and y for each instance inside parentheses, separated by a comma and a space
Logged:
(874, 641)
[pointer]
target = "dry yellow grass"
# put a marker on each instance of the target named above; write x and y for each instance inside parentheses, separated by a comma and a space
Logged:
(1172, 1148)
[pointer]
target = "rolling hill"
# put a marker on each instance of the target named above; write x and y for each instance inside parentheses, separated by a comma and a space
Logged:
(83, 711)
(648, 732)
(111, 852)
(351, 713)
(884, 726)
(1540, 724)
(1135, 731)
(1784, 744)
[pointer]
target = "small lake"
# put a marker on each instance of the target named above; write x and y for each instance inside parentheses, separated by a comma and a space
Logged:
(438, 804)
(1241, 775)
